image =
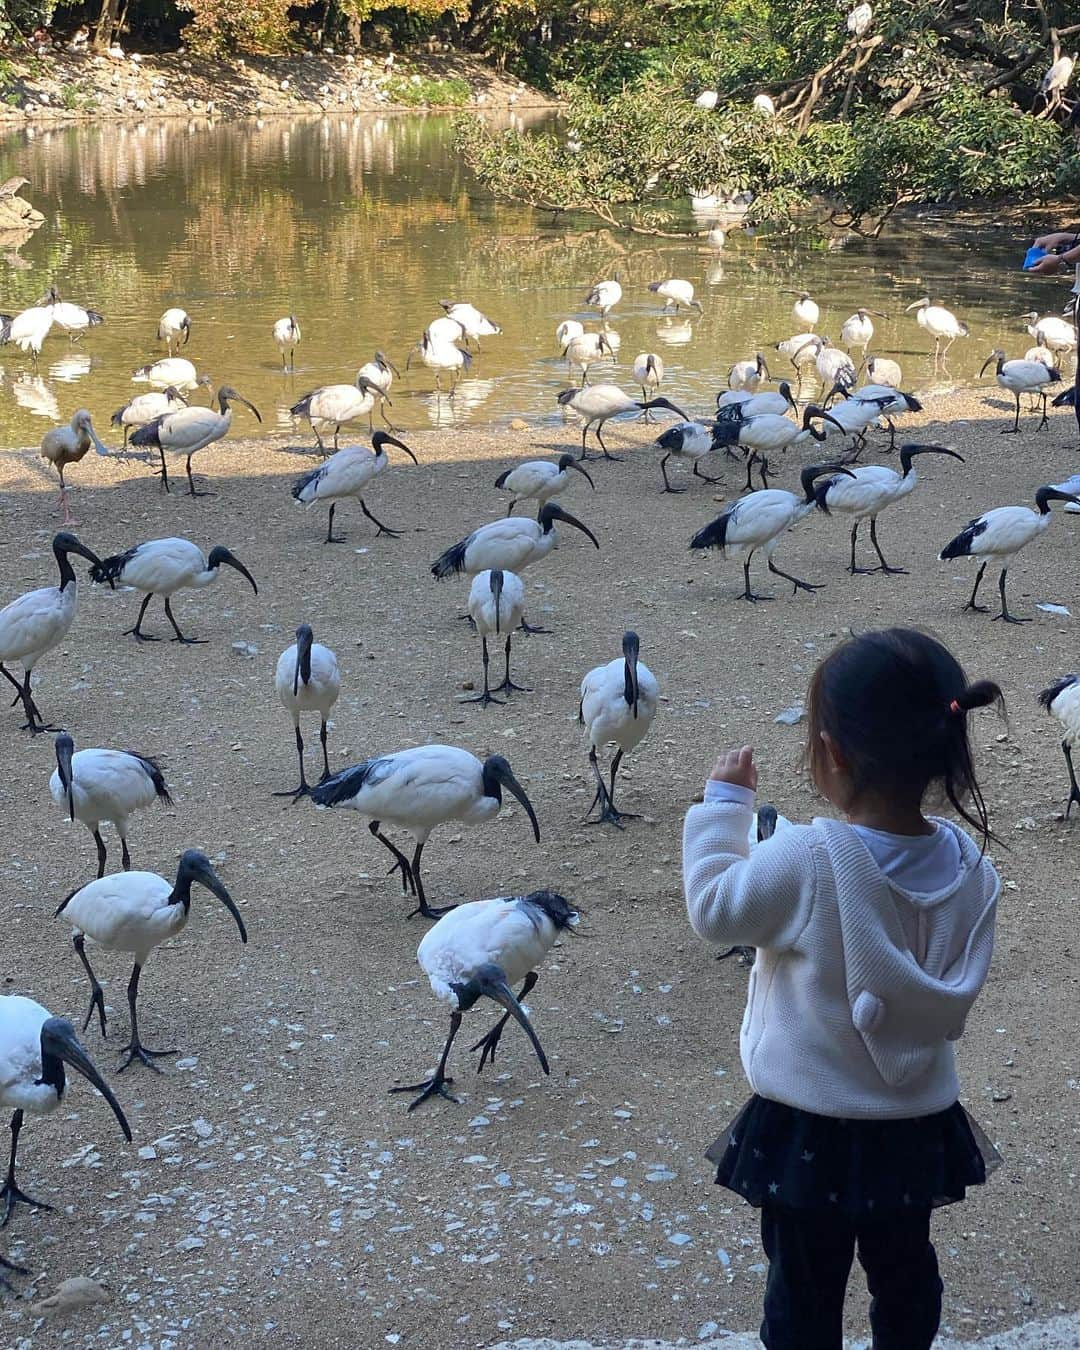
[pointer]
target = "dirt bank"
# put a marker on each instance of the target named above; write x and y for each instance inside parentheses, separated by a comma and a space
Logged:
(71, 86)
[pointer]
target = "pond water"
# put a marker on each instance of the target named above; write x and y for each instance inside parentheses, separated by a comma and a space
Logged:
(359, 226)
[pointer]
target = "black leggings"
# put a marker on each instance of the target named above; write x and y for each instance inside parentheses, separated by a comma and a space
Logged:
(810, 1254)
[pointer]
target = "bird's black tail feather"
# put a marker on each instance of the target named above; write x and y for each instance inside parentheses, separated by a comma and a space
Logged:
(450, 562)
(111, 569)
(147, 435)
(1048, 695)
(714, 535)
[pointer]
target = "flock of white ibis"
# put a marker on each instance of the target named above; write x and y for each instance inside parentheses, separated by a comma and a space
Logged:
(483, 948)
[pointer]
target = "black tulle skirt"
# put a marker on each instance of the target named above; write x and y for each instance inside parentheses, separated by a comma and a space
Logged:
(777, 1154)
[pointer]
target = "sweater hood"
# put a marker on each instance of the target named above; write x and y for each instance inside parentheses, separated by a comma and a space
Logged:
(901, 1010)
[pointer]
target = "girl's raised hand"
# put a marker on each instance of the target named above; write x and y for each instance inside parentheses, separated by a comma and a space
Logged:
(736, 766)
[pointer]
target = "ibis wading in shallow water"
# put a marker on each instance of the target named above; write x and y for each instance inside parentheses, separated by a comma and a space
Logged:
(37, 622)
(287, 339)
(97, 785)
(163, 567)
(605, 295)
(335, 405)
(135, 912)
(307, 680)
(941, 323)
(1062, 700)
(67, 445)
(174, 329)
(144, 408)
(539, 480)
(34, 1048)
(346, 474)
(1000, 534)
(496, 606)
(618, 704)
(191, 429)
(479, 950)
(418, 789)
(472, 323)
(171, 372)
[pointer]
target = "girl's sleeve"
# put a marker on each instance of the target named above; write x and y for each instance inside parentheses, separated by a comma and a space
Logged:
(760, 897)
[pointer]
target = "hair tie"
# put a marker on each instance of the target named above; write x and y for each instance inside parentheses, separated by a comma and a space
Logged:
(955, 708)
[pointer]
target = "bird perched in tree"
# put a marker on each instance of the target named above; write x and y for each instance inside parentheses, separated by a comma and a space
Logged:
(1056, 80)
(859, 20)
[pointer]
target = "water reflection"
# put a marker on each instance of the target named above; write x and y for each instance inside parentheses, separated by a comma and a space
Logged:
(360, 225)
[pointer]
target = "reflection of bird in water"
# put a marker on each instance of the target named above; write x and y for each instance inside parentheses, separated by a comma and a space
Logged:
(71, 368)
(34, 395)
(468, 396)
(675, 332)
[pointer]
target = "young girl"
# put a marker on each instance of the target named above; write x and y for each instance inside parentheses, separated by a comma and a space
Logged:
(873, 936)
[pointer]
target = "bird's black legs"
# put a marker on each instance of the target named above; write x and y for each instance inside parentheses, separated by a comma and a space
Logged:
(600, 441)
(191, 484)
(135, 1048)
(331, 537)
(382, 414)
(102, 853)
(486, 697)
(490, 1042)
(423, 907)
(188, 642)
(508, 685)
(605, 796)
(125, 856)
(1008, 618)
(325, 757)
(164, 471)
(383, 529)
(34, 722)
(747, 593)
(1045, 415)
(137, 631)
(10, 1193)
(855, 571)
(97, 998)
(745, 955)
(1074, 788)
(703, 476)
(645, 413)
(663, 471)
(15, 1270)
(407, 882)
(438, 1083)
(979, 609)
(893, 571)
(305, 787)
(318, 440)
(1011, 431)
(528, 628)
(799, 585)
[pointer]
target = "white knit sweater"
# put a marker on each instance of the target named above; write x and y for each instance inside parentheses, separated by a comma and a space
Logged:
(859, 987)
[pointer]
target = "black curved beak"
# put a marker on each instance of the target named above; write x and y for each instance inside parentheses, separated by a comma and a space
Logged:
(206, 876)
(557, 513)
(237, 398)
(507, 779)
(231, 560)
(811, 413)
(493, 983)
(815, 471)
(65, 748)
(766, 821)
(304, 638)
(630, 649)
(917, 304)
(58, 1039)
(382, 438)
(75, 546)
(990, 360)
(665, 403)
(496, 581)
(578, 468)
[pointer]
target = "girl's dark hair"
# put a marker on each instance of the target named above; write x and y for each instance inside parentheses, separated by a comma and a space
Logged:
(895, 704)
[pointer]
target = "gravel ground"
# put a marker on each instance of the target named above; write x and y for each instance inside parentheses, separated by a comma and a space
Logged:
(274, 1192)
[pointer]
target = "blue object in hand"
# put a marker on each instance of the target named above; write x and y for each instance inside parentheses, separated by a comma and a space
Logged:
(1032, 256)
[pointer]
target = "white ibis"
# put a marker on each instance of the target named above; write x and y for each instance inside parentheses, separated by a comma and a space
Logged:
(881, 370)
(419, 789)
(379, 373)
(496, 606)
(676, 294)
(769, 433)
(191, 429)
(174, 328)
(805, 310)
(307, 680)
(858, 329)
(618, 704)
(1062, 701)
(585, 350)
(444, 330)
(134, 912)
(1043, 354)
(598, 402)
(346, 474)
(443, 357)
(1056, 80)
(748, 405)
(94, 786)
(569, 328)
(605, 295)
(883, 400)
(764, 824)
(1001, 534)
(336, 405)
(144, 408)
(748, 374)
(1022, 377)
(941, 323)
(37, 622)
(34, 1049)
(758, 520)
(707, 99)
(473, 324)
(686, 440)
(859, 20)
(171, 372)
(798, 350)
(833, 366)
(67, 445)
(648, 370)
(29, 329)
(1051, 331)
(163, 567)
(75, 320)
(764, 105)
(868, 490)
(287, 338)
(539, 480)
(479, 950)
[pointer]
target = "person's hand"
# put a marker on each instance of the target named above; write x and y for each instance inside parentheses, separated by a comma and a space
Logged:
(1048, 266)
(736, 766)
(1046, 241)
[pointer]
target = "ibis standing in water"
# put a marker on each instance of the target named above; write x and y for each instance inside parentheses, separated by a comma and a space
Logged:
(73, 319)
(759, 520)
(171, 372)
(191, 429)
(163, 567)
(473, 324)
(29, 329)
(35, 1047)
(307, 680)
(496, 606)
(866, 491)
(67, 445)
(858, 329)
(1000, 534)
(144, 408)
(335, 405)
(599, 402)
(805, 310)
(419, 789)
(442, 357)
(287, 339)
(749, 374)
(618, 704)
(677, 294)
(97, 785)
(37, 622)
(585, 350)
(539, 480)
(605, 295)
(1022, 377)
(135, 912)
(941, 323)
(1062, 701)
(346, 474)
(478, 951)
(649, 373)
(379, 373)
(174, 329)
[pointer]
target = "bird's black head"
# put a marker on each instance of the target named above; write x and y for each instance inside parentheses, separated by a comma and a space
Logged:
(549, 513)
(382, 438)
(489, 980)
(195, 866)
(65, 748)
(226, 394)
(1045, 495)
(65, 543)
(814, 471)
(220, 555)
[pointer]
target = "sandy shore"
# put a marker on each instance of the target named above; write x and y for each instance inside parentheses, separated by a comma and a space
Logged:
(273, 1185)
